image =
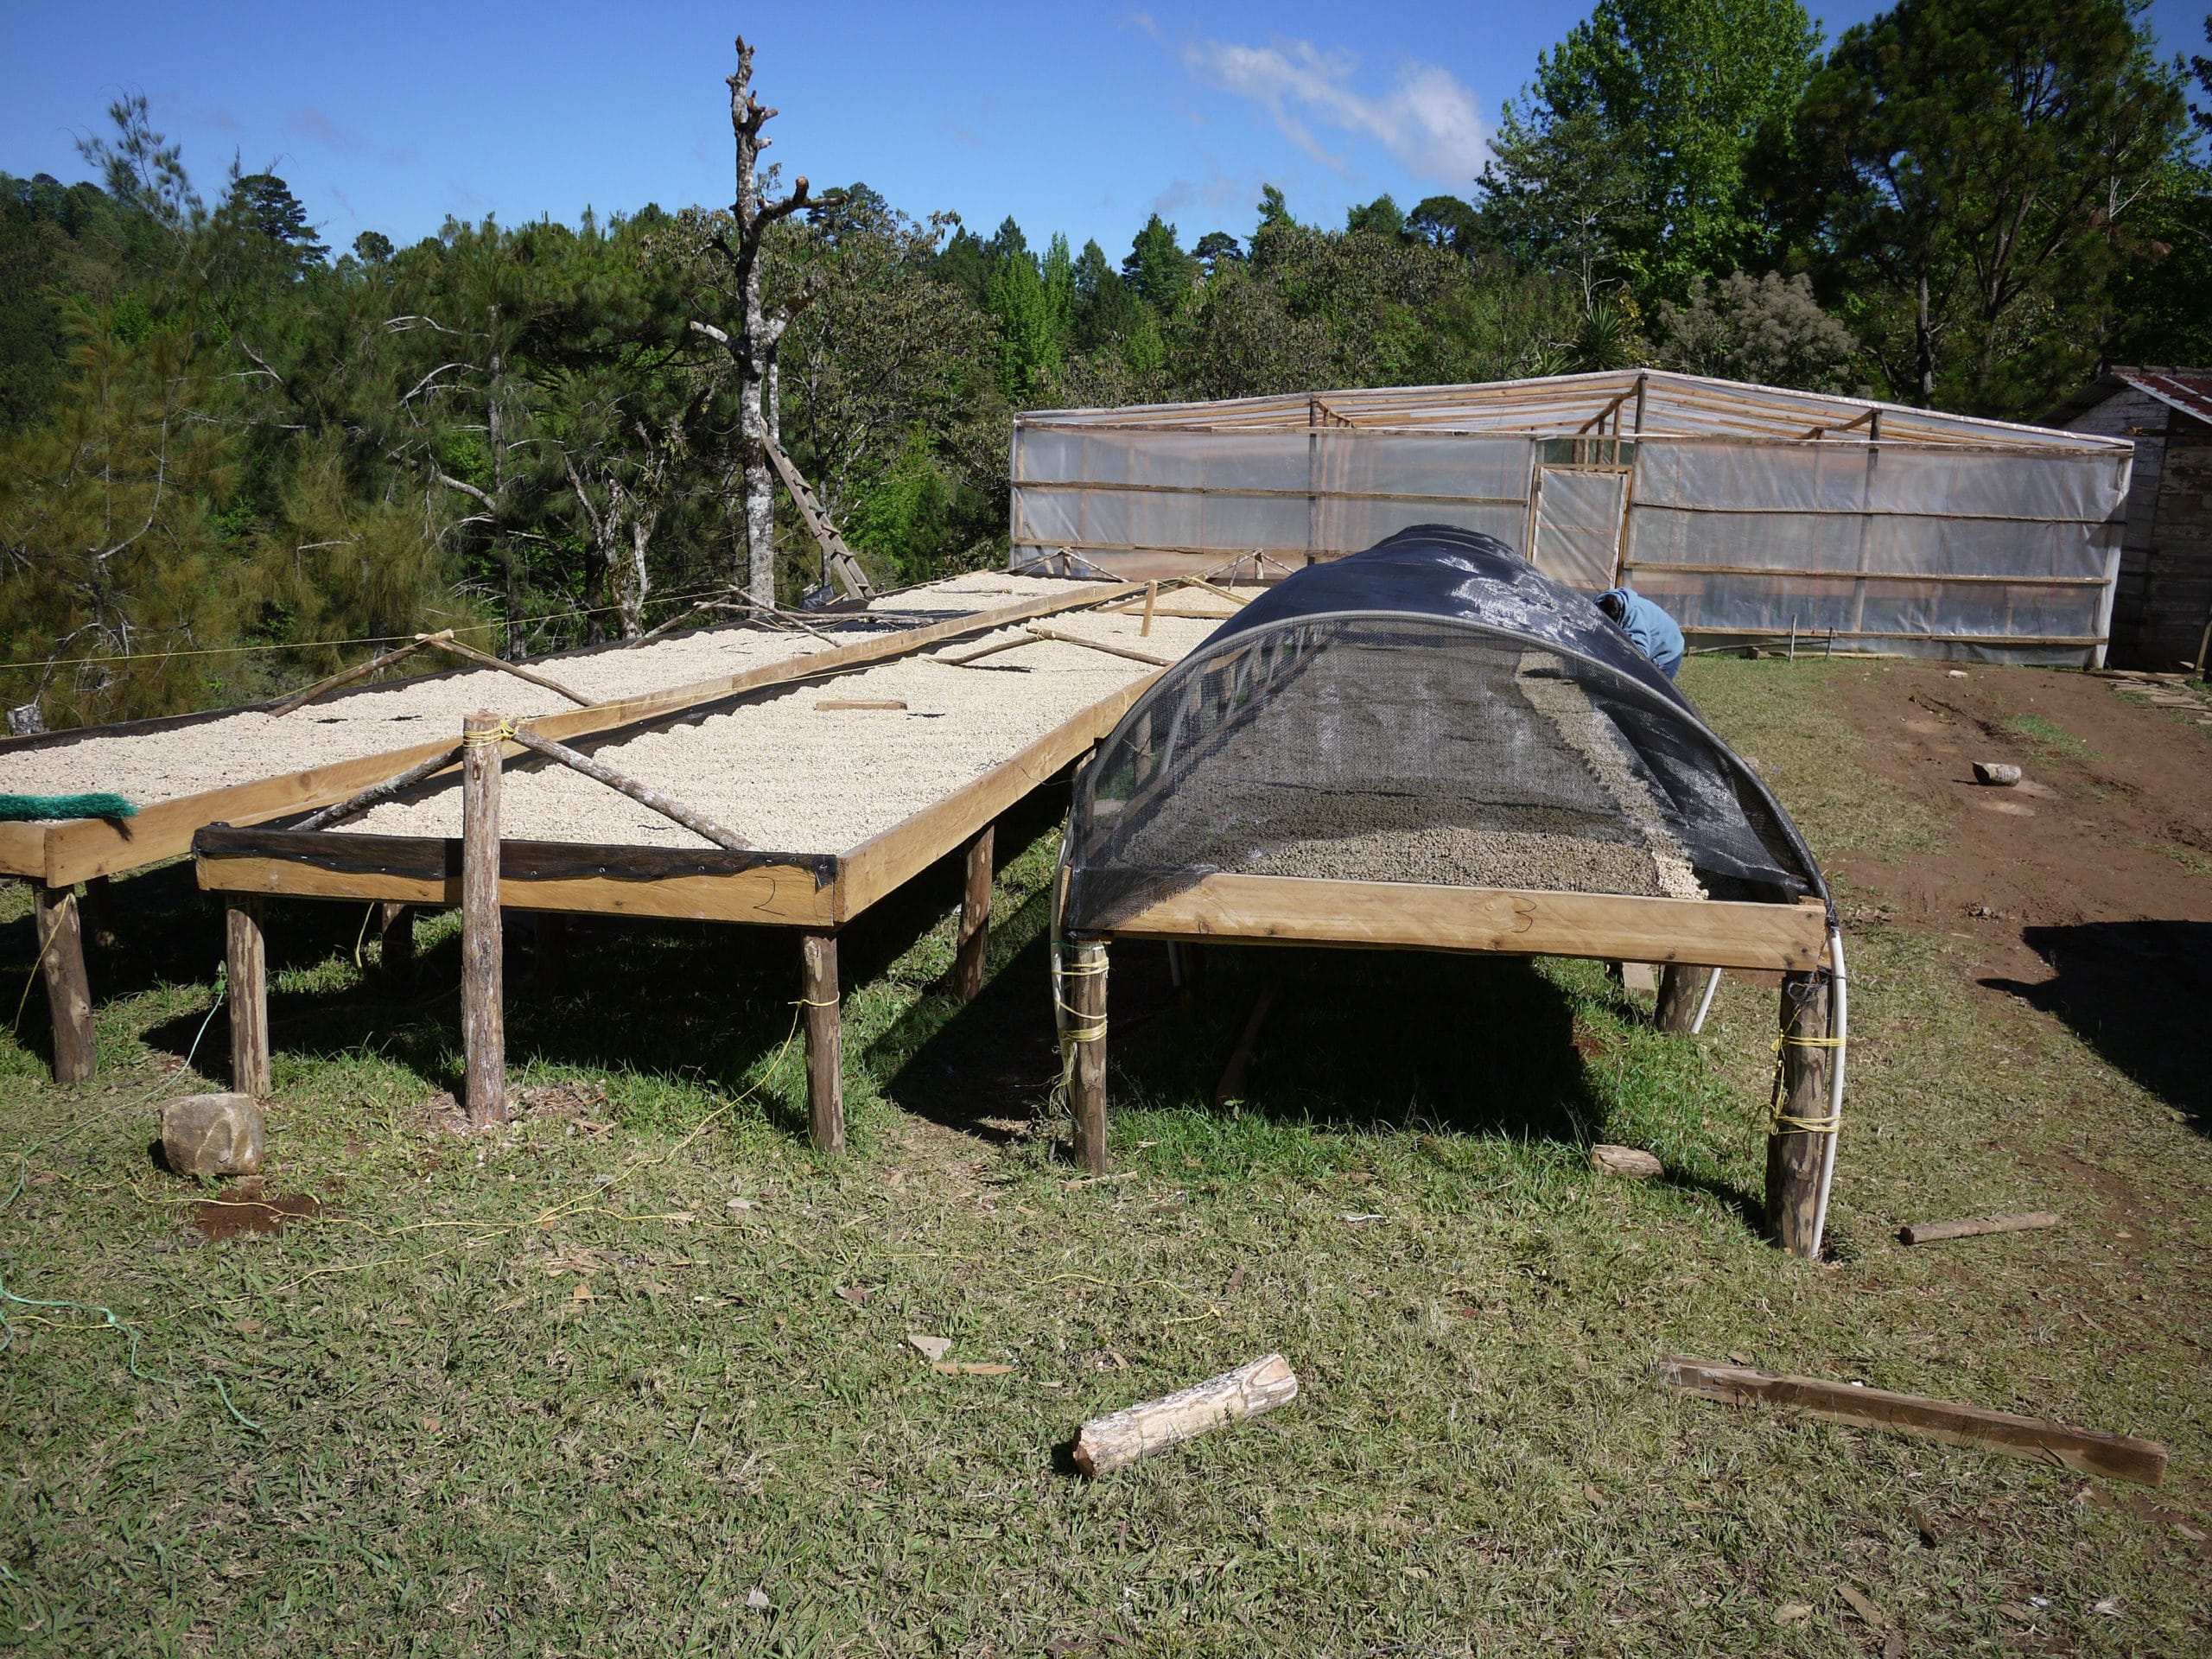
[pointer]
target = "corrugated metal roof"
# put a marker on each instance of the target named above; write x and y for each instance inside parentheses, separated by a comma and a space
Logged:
(1673, 404)
(2189, 390)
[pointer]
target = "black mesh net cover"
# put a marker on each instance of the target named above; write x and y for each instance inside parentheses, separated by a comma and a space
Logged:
(1432, 711)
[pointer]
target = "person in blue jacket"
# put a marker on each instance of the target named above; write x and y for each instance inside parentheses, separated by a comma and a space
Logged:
(1651, 630)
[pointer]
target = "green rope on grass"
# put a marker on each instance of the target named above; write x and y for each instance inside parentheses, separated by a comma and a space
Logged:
(108, 1320)
(24, 808)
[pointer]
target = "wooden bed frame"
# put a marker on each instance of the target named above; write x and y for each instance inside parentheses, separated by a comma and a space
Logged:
(53, 858)
(1687, 937)
(814, 894)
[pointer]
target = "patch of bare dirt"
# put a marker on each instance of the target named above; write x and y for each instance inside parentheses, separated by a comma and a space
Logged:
(248, 1210)
(2087, 888)
(2104, 830)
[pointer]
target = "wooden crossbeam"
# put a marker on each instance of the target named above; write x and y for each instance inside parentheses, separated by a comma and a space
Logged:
(1870, 418)
(1405, 915)
(667, 806)
(358, 672)
(447, 643)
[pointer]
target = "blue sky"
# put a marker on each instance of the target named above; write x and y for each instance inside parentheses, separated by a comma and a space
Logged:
(1073, 118)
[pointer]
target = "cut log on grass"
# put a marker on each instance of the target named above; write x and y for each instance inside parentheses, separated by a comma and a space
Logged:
(1625, 1162)
(1927, 1232)
(2088, 1451)
(1106, 1444)
(667, 806)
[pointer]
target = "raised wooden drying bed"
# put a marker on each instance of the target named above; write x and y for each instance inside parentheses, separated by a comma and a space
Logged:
(1685, 934)
(55, 857)
(815, 893)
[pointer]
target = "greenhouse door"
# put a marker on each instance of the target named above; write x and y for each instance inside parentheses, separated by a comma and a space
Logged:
(1578, 523)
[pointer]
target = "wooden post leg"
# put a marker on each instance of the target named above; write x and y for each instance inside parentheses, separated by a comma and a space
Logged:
(1680, 987)
(68, 990)
(100, 912)
(483, 990)
(974, 920)
(1193, 982)
(395, 929)
(825, 1082)
(246, 963)
(1083, 975)
(1794, 1152)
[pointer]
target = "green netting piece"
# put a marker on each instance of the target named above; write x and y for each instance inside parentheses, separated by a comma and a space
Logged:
(18, 809)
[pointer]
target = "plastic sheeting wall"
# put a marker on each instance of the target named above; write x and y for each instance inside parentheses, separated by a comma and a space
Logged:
(1933, 549)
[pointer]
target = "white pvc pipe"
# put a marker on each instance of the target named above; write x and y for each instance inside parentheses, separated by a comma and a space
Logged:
(1705, 1005)
(1839, 1030)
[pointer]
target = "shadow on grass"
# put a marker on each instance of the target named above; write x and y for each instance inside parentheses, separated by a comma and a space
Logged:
(2136, 992)
(1356, 1040)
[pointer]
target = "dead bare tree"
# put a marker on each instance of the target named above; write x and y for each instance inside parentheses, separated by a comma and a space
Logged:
(752, 335)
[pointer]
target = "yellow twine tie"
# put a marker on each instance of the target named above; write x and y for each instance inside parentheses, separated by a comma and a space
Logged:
(500, 733)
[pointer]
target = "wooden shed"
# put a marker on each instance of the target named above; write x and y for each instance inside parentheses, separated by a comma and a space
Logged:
(2163, 607)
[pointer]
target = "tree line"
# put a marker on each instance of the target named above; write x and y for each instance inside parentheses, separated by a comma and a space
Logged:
(229, 458)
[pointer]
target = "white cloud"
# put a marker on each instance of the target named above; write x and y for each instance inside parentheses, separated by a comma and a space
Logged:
(1428, 122)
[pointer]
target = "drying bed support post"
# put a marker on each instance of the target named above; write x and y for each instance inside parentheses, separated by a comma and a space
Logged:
(246, 962)
(1083, 970)
(395, 931)
(99, 912)
(483, 990)
(1797, 1138)
(825, 1082)
(68, 989)
(1680, 988)
(975, 919)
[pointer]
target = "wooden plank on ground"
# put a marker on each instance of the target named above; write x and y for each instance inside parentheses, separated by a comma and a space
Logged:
(1402, 915)
(775, 889)
(887, 861)
(84, 847)
(2089, 1450)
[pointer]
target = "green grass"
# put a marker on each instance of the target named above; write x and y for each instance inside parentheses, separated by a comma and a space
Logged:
(458, 1455)
(2043, 736)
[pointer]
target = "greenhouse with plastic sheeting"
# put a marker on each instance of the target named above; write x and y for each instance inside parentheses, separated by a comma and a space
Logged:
(1752, 514)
